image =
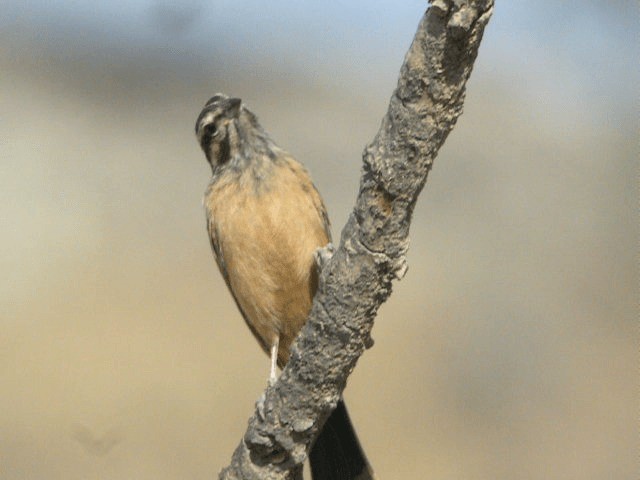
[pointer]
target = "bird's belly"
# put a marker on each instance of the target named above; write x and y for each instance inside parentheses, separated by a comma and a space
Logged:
(267, 242)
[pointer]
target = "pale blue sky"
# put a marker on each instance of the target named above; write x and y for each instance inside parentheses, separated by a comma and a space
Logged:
(597, 39)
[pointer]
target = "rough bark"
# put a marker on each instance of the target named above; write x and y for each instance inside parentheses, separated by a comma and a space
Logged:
(356, 279)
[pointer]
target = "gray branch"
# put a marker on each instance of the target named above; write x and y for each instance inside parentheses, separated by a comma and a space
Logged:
(357, 278)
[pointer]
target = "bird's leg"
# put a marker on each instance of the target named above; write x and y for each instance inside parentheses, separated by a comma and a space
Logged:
(274, 361)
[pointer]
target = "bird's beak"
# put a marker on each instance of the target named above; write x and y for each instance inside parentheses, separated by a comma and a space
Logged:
(234, 105)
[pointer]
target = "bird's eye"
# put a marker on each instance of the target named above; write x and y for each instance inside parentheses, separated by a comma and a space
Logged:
(211, 129)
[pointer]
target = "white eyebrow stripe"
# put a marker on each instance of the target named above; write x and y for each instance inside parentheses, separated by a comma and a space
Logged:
(206, 120)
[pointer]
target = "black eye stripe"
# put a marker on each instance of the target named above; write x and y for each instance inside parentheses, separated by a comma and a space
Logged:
(206, 144)
(210, 129)
(207, 135)
(212, 115)
(203, 113)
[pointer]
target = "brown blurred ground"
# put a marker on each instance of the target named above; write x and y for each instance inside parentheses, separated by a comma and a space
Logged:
(508, 351)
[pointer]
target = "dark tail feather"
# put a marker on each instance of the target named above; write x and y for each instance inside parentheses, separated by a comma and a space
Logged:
(337, 454)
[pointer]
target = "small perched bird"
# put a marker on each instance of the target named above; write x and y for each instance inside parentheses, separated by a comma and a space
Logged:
(265, 220)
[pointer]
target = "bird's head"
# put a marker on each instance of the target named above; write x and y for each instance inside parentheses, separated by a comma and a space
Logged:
(218, 128)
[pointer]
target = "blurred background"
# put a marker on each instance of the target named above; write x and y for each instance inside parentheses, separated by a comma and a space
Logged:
(509, 351)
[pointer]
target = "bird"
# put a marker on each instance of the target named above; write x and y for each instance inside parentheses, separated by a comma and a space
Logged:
(265, 220)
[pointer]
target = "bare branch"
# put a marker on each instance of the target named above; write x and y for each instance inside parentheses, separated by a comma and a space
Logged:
(357, 279)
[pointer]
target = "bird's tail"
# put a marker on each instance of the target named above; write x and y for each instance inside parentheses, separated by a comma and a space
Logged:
(337, 454)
